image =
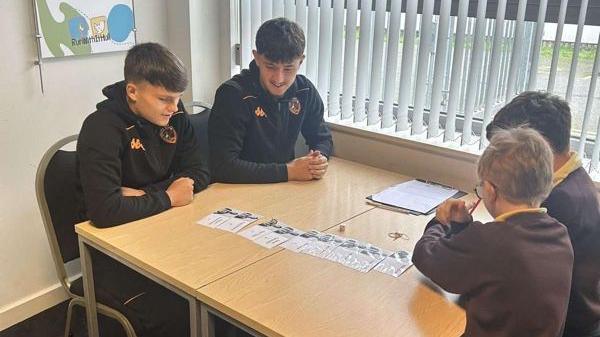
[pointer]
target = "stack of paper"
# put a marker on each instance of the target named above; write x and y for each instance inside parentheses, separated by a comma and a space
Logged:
(415, 195)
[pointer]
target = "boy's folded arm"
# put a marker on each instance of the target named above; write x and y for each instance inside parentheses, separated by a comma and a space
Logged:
(453, 261)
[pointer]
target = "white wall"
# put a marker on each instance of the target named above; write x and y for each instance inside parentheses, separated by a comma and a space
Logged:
(198, 32)
(29, 123)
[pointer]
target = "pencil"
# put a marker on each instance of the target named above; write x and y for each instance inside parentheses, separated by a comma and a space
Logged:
(474, 206)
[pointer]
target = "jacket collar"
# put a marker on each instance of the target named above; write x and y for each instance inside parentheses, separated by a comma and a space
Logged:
(562, 173)
(507, 215)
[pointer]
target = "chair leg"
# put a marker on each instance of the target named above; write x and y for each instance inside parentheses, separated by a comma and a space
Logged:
(69, 315)
(105, 311)
(117, 315)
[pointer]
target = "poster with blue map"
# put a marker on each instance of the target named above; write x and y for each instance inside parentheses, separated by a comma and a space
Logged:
(83, 27)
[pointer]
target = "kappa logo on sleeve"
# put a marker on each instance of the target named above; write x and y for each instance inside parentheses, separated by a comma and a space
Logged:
(136, 144)
(259, 112)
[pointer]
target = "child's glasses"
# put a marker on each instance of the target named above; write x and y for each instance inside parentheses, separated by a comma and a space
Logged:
(479, 190)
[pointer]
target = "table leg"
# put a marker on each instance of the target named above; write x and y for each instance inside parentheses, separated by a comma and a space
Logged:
(207, 322)
(88, 289)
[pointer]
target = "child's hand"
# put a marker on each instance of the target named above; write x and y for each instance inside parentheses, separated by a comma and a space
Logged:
(453, 210)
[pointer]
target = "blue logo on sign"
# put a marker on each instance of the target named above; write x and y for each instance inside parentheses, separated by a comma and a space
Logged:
(120, 22)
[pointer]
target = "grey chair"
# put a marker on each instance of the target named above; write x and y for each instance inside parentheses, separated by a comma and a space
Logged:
(199, 123)
(61, 206)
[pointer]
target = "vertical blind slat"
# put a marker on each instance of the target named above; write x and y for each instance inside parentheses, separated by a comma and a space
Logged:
(595, 162)
(266, 10)
(406, 69)
(455, 94)
(387, 116)
(312, 39)
(324, 49)
(301, 19)
(290, 10)
(515, 59)
(439, 69)
(562, 13)
(490, 97)
(422, 66)
(505, 62)
(590, 102)
(246, 35)
(537, 45)
(577, 47)
(476, 58)
(278, 10)
(376, 70)
(364, 48)
(349, 59)
(255, 12)
(336, 55)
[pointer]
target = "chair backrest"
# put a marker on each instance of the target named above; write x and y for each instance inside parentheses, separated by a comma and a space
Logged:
(61, 203)
(199, 122)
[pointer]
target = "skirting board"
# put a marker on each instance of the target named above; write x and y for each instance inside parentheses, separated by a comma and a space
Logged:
(24, 308)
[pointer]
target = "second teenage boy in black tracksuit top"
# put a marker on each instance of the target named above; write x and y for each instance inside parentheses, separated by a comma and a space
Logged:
(258, 115)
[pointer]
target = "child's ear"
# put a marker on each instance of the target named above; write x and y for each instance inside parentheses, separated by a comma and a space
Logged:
(131, 90)
(490, 190)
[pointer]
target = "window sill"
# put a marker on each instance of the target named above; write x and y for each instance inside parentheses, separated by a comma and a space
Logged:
(435, 148)
(435, 145)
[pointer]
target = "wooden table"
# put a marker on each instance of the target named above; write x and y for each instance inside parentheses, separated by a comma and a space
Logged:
(292, 294)
(173, 250)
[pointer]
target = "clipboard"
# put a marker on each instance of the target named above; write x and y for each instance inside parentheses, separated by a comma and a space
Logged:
(429, 210)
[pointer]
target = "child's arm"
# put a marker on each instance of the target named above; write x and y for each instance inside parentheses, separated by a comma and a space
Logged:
(454, 260)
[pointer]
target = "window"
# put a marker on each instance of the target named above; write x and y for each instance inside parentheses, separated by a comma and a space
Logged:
(437, 74)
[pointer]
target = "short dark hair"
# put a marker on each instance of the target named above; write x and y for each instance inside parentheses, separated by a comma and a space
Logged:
(280, 40)
(548, 114)
(157, 65)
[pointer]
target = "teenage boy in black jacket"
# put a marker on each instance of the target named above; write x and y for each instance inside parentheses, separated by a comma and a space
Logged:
(573, 201)
(138, 156)
(258, 114)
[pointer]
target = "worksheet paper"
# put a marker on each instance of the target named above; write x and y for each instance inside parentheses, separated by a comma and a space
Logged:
(228, 219)
(321, 244)
(297, 243)
(414, 195)
(358, 255)
(269, 234)
(395, 264)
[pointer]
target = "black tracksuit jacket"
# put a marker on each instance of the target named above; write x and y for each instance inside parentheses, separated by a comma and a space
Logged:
(116, 148)
(252, 135)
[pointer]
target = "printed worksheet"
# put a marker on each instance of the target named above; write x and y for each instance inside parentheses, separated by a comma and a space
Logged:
(297, 242)
(228, 219)
(395, 264)
(321, 244)
(268, 234)
(358, 255)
